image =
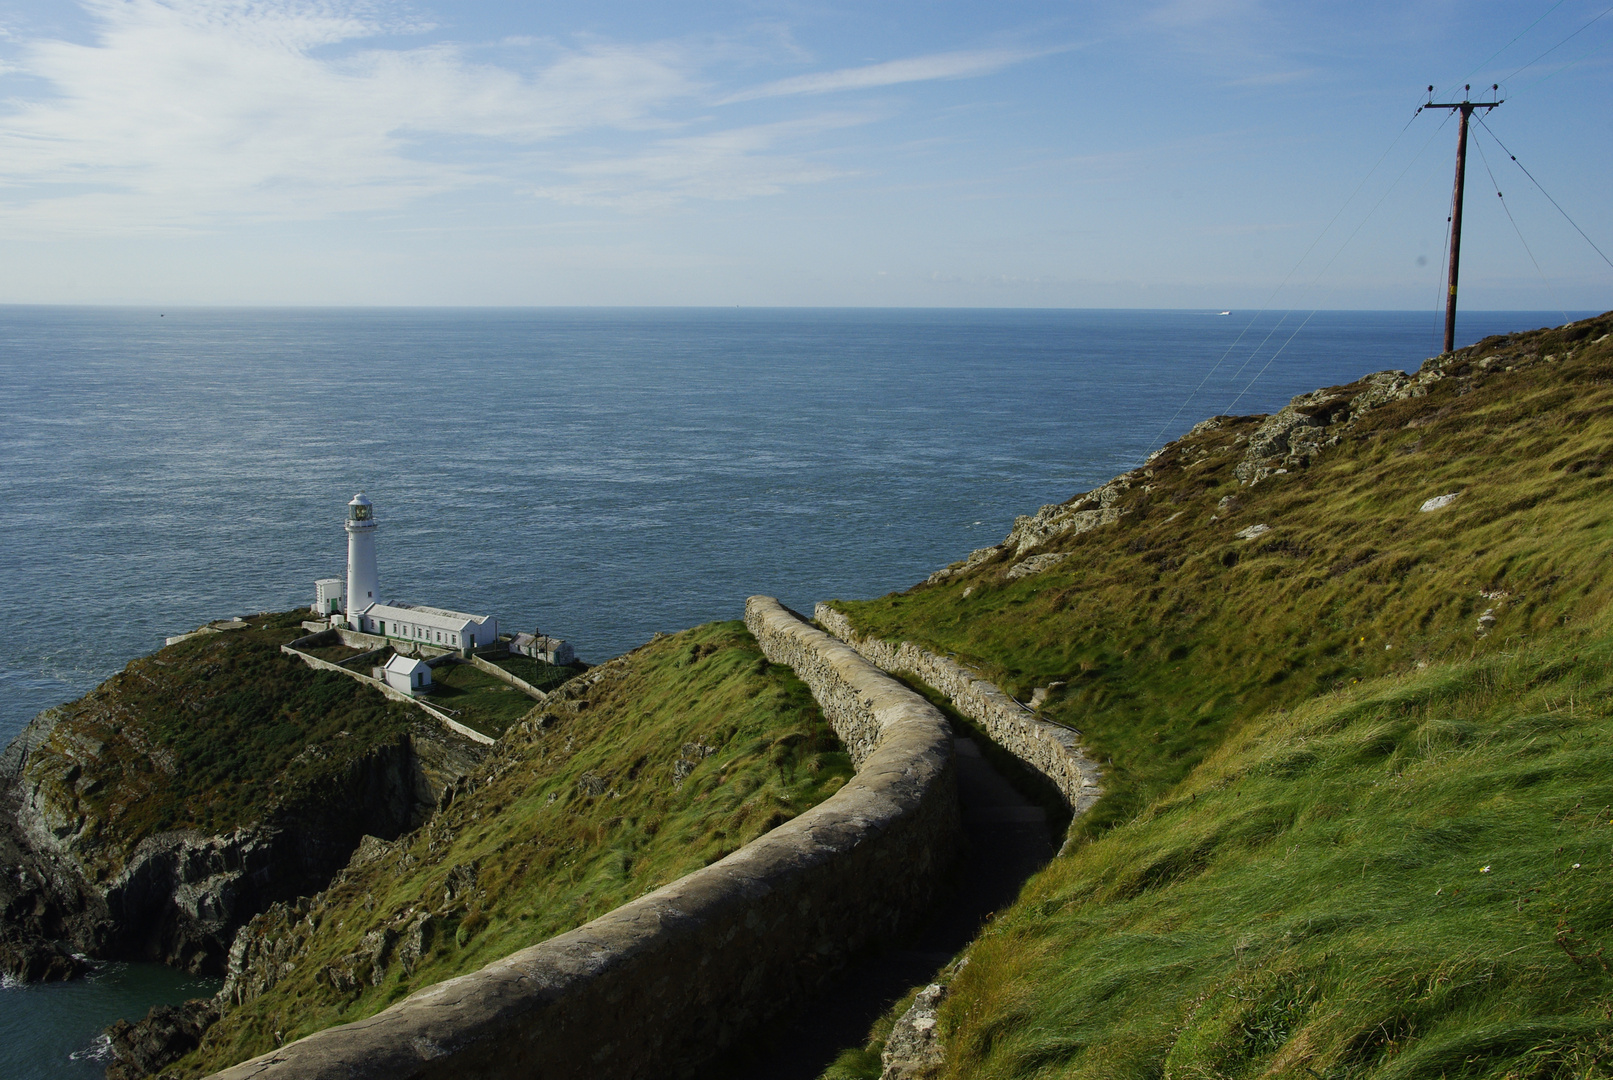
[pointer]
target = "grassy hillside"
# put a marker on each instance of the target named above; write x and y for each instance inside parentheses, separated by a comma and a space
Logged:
(651, 766)
(1361, 809)
(1169, 631)
(203, 734)
(1409, 878)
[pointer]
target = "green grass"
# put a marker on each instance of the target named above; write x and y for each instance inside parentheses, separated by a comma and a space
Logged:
(205, 734)
(539, 673)
(477, 699)
(576, 813)
(1170, 632)
(1313, 755)
(1413, 877)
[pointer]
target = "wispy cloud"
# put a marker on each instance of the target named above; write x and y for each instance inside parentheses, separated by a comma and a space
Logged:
(197, 114)
(947, 65)
(739, 163)
(180, 109)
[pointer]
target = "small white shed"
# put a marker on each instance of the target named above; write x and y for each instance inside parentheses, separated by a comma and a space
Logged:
(407, 673)
(330, 596)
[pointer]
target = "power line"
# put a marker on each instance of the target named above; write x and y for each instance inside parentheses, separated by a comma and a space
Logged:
(1555, 47)
(1154, 442)
(1514, 41)
(1544, 192)
(1496, 184)
(1330, 262)
(1580, 59)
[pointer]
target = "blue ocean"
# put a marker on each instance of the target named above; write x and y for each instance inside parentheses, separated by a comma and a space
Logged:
(598, 474)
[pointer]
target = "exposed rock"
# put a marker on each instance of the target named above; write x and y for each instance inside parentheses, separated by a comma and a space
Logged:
(416, 941)
(31, 959)
(1252, 532)
(167, 1033)
(912, 1050)
(976, 557)
(1486, 621)
(1100, 506)
(179, 897)
(689, 758)
(1438, 502)
(1036, 564)
(1292, 437)
(460, 882)
(1040, 695)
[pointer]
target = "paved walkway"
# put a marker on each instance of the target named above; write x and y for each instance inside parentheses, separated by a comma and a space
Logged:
(1007, 841)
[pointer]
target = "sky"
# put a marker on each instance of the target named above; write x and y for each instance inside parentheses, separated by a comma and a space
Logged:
(1184, 153)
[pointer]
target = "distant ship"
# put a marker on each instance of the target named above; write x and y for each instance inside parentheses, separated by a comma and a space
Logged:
(1226, 313)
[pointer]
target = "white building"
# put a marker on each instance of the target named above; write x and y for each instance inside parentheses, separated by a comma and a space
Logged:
(356, 605)
(406, 673)
(541, 646)
(429, 625)
(330, 596)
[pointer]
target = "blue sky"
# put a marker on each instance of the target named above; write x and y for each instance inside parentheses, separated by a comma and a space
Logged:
(1187, 153)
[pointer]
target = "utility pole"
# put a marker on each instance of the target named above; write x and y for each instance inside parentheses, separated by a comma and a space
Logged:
(1465, 108)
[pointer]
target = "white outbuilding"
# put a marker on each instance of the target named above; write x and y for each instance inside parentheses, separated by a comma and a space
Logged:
(406, 673)
(437, 627)
(330, 596)
(541, 646)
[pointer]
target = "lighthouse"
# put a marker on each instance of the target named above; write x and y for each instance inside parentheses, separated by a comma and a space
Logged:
(363, 586)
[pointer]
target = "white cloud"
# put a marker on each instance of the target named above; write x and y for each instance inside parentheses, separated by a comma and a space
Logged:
(200, 114)
(739, 163)
(183, 109)
(948, 65)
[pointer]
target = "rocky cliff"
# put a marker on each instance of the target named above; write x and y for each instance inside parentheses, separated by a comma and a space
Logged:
(153, 817)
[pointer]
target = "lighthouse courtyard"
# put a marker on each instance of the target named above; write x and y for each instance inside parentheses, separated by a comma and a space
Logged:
(454, 665)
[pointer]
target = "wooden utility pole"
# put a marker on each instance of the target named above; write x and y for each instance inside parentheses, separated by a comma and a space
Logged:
(1465, 108)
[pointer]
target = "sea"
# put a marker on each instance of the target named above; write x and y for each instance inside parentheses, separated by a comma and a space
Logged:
(599, 474)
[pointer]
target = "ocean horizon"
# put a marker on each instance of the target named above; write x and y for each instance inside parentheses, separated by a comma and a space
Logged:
(598, 473)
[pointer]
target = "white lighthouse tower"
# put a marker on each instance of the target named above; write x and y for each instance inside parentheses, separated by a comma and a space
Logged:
(363, 585)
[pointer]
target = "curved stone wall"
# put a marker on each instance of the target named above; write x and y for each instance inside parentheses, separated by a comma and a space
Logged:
(661, 985)
(1051, 750)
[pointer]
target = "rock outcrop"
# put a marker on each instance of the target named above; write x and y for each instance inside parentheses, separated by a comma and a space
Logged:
(79, 883)
(167, 1033)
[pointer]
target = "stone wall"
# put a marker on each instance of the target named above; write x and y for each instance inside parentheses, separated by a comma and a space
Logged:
(396, 695)
(504, 676)
(1051, 750)
(661, 985)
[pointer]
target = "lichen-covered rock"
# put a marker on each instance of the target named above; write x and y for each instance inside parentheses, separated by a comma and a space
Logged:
(976, 557)
(167, 1033)
(913, 1051)
(1035, 564)
(1100, 506)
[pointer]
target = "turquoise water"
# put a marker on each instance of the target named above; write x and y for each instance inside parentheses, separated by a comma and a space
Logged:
(599, 474)
(55, 1030)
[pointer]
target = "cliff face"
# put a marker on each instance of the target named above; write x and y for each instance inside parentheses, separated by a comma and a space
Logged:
(153, 817)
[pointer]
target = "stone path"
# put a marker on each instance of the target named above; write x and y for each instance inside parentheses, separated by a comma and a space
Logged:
(1007, 841)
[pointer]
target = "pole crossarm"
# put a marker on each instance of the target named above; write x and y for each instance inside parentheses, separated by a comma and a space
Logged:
(1469, 105)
